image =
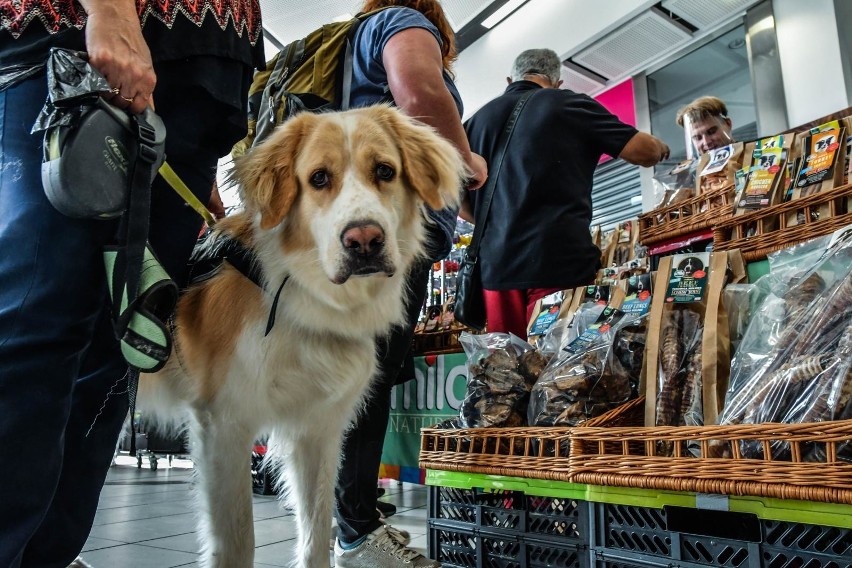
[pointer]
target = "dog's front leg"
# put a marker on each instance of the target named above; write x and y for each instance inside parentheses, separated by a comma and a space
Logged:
(311, 474)
(226, 529)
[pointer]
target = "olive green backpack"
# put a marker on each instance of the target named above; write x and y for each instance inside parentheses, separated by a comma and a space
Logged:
(312, 74)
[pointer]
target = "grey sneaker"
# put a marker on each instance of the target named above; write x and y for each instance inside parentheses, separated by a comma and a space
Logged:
(381, 549)
(80, 563)
(402, 536)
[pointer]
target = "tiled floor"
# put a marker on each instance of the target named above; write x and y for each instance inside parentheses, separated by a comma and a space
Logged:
(145, 519)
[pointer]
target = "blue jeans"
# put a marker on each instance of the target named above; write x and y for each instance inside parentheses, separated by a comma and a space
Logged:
(63, 395)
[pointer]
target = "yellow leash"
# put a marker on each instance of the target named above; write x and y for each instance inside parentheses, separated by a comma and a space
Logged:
(186, 194)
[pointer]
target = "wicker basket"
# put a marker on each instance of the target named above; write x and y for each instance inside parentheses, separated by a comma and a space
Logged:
(609, 456)
(685, 217)
(770, 226)
(437, 342)
(533, 452)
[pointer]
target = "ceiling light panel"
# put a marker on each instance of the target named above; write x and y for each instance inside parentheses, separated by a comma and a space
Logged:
(579, 80)
(705, 15)
(461, 12)
(502, 13)
(633, 45)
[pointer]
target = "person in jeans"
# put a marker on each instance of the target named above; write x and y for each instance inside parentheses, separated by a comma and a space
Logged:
(63, 383)
(401, 55)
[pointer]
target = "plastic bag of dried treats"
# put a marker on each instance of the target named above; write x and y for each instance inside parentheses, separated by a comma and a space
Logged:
(804, 376)
(501, 371)
(623, 372)
(587, 304)
(773, 307)
(676, 184)
(578, 383)
(770, 307)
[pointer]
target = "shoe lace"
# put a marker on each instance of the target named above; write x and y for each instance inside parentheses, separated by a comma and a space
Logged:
(395, 533)
(387, 543)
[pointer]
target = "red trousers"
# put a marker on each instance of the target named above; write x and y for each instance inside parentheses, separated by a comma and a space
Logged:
(510, 310)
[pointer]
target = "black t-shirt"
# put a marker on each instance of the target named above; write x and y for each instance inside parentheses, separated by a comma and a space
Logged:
(537, 233)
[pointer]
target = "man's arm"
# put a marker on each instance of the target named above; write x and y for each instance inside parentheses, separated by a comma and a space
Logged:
(117, 49)
(644, 150)
(412, 60)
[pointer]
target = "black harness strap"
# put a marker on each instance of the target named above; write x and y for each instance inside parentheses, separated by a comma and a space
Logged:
(243, 259)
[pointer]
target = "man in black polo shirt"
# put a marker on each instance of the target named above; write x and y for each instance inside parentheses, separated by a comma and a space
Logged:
(537, 239)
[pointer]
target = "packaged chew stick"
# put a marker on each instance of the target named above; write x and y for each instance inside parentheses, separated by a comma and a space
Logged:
(545, 313)
(822, 160)
(762, 178)
(687, 357)
(821, 166)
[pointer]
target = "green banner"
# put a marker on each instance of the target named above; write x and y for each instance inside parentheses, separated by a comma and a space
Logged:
(435, 394)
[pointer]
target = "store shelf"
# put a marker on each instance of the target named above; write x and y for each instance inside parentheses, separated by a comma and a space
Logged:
(680, 242)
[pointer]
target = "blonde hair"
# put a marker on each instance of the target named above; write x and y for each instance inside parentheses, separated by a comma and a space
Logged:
(701, 108)
(434, 13)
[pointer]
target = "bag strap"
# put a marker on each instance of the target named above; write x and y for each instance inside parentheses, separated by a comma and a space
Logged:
(135, 224)
(505, 136)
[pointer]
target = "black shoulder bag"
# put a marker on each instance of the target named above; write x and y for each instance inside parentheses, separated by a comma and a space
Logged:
(470, 300)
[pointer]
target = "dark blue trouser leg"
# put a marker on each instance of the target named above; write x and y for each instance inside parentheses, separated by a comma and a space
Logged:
(362, 446)
(51, 289)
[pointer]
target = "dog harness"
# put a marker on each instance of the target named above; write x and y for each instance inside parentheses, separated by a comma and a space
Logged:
(207, 261)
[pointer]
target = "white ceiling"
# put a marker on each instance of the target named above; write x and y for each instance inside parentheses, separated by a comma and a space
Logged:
(626, 47)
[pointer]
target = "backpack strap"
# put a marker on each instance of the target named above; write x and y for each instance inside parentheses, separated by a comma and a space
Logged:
(345, 69)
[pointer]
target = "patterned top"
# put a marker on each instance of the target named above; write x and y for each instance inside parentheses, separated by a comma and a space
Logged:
(57, 15)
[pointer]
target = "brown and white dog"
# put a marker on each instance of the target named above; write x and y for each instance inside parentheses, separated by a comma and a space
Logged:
(334, 205)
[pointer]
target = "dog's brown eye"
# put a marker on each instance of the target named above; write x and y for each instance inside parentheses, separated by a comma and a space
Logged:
(384, 172)
(319, 179)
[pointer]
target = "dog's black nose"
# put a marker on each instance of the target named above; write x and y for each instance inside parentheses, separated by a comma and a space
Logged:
(366, 239)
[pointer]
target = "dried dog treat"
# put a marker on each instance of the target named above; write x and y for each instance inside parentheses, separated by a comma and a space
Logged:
(572, 415)
(668, 400)
(574, 385)
(531, 364)
(690, 406)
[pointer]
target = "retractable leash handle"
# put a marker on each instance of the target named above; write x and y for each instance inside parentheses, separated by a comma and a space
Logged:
(86, 167)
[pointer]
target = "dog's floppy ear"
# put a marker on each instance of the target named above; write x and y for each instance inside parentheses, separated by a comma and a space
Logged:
(266, 174)
(430, 164)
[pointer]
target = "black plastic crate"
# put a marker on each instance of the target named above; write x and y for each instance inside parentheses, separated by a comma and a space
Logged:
(693, 538)
(456, 547)
(510, 512)
(797, 545)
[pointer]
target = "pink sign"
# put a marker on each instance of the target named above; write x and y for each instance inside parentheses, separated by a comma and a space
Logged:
(619, 101)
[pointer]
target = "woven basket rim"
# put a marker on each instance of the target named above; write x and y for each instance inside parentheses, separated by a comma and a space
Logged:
(787, 206)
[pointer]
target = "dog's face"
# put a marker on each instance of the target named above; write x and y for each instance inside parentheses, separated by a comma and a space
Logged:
(346, 189)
